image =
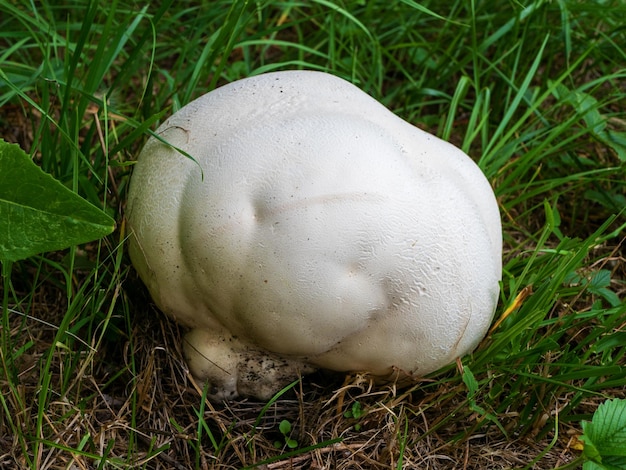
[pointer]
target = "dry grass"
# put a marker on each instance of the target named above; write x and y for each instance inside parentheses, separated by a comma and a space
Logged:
(399, 428)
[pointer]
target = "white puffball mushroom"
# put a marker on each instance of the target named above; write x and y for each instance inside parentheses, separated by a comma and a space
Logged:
(315, 229)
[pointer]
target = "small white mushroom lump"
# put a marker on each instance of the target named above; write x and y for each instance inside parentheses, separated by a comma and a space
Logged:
(312, 228)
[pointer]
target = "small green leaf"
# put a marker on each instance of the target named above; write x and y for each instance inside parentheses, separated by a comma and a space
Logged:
(585, 105)
(599, 283)
(357, 411)
(610, 296)
(285, 427)
(615, 140)
(38, 213)
(588, 108)
(470, 381)
(601, 278)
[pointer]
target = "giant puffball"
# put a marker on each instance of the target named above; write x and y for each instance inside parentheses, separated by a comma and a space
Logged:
(309, 227)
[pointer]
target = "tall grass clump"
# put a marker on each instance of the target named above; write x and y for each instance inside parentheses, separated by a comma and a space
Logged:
(92, 376)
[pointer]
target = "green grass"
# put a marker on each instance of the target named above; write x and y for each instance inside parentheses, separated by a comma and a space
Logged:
(535, 92)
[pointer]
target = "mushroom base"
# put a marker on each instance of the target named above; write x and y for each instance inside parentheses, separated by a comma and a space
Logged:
(234, 369)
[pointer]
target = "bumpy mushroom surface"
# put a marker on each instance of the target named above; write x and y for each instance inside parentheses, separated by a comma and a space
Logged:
(315, 229)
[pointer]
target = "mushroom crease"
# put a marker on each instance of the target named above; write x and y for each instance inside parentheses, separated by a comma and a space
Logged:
(309, 227)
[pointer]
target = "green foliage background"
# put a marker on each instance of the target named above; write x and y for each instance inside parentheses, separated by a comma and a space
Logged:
(534, 91)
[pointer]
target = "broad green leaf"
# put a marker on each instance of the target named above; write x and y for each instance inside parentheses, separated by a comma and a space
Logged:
(38, 213)
(605, 436)
(609, 426)
(611, 463)
(590, 450)
(614, 462)
(592, 466)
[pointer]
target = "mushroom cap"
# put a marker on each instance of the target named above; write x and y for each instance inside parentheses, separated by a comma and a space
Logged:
(316, 225)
